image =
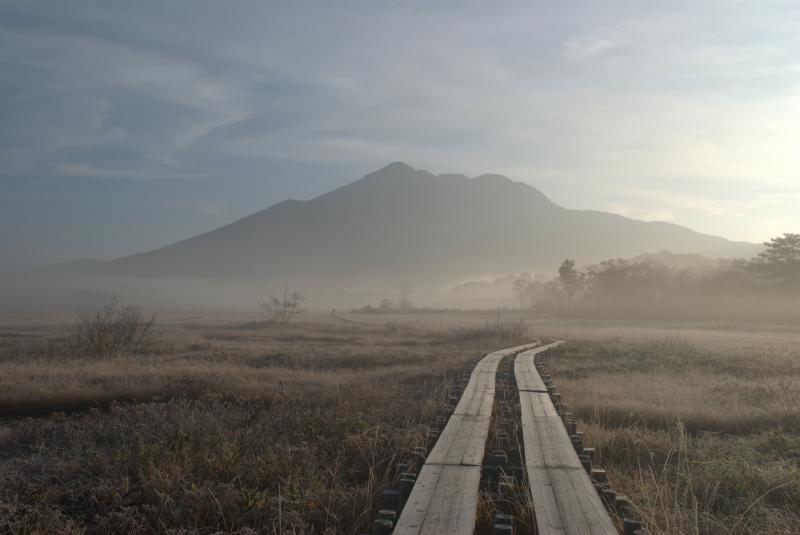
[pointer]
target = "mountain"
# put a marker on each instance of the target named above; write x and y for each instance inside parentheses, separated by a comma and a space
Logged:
(691, 261)
(401, 225)
(80, 265)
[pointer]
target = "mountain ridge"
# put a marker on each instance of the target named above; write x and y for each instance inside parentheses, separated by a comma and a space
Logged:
(402, 224)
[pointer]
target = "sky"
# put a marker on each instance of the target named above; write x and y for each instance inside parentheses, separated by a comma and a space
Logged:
(125, 126)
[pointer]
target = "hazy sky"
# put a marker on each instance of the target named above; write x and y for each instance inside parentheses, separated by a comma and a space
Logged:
(128, 125)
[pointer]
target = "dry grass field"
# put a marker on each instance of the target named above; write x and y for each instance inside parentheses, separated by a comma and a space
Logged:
(225, 423)
(698, 426)
(697, 423)
(221, 424)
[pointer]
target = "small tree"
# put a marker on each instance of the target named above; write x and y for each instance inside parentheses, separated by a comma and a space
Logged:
(385, 305)
(520, 289)
(554, 295)
(570, 280)
(284, 306)
(405, 304)
(535, 292)
(111, 331)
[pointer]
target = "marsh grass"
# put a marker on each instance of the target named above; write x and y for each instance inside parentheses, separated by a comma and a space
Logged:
(223, 427)
(701, 436)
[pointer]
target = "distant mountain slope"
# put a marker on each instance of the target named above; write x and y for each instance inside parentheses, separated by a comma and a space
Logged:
(398, 224)
(682, 261)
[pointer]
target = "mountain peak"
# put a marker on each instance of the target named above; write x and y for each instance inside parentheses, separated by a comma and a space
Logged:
(395, 169)
(398, 223)
(394, 173)
(490, 177)
(399, 176)
(398, 166)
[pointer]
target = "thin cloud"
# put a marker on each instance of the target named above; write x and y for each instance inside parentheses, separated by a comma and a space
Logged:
(587, 48)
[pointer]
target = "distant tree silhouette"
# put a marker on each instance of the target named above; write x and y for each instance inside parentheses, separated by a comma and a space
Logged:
(554, 294)
(284, 306)
(520, 289)
(570, 280)
(644, 282)
(385, 305)
(405, 304)
(781, 259)
(764, 286)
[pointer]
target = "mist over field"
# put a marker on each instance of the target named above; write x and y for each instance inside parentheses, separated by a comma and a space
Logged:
(447, 236)
(450, 242)
(399, 268)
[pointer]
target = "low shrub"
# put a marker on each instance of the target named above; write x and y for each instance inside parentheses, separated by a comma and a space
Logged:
(111, 331)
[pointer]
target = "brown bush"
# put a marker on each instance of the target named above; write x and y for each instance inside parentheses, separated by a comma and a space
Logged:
(111, 331)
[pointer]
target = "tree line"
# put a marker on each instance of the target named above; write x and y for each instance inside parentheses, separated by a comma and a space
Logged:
(768, 283)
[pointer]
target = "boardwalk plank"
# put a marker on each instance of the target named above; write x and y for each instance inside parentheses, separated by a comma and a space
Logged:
(582, 511)
(478, 396)
(563, 497)
(462, 441)
(444, 499)
(544, 436)
(528, 379)
(548, 516)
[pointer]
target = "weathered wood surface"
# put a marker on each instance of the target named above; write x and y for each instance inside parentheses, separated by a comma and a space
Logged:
(564, 499)
(546, 441)
(582, 511)
(444, 499)
(462, 441)
(478, 396)
(528, 379)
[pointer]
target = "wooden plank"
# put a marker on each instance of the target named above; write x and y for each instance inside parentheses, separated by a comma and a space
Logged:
(539, 404)
(545, 506)
(478, 396)
(545, 439)
(475, 402)
(534, 456)
(489, 363)
(581, 509)
(462, 441)
(565, 502)
(563, 497)
(444, 501)
(528, 378)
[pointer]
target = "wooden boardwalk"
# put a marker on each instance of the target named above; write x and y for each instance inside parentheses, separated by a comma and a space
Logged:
(444, 500)
(563, 497)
